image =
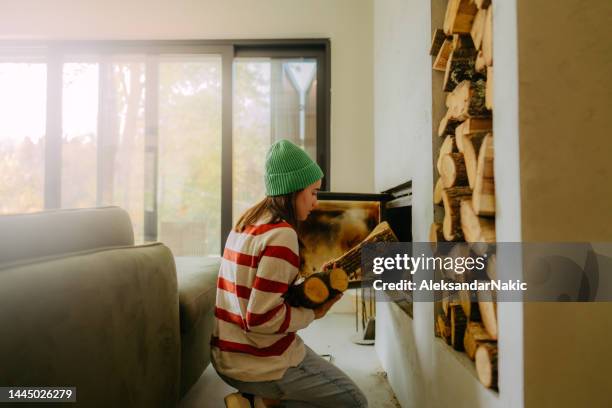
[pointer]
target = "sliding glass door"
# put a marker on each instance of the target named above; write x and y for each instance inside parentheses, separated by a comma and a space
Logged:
(173, 132)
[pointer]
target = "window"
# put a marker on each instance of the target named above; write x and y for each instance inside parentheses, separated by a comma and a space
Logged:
(22, 134)
(174, 132)
(273, 99)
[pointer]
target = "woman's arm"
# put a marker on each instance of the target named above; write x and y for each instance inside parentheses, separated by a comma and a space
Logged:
(267, 310)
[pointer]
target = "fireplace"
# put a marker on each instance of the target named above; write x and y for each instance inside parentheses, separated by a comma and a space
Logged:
(343, 220)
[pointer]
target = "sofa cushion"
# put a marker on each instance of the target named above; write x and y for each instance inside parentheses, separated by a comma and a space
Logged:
(46, 233)
(104, 321)
(197, 285)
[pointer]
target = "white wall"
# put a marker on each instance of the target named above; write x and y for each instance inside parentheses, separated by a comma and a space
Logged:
(402, 123)
(348, 24)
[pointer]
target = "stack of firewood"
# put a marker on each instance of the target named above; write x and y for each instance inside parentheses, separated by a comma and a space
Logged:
(465, 187)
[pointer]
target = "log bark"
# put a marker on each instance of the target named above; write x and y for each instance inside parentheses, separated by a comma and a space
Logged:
(469, 145)
(480, 65)
(475, 335)
(470, 307)
(459, 16)
(467, 101)
(453, 172)
(458, 69)
(483, 199)
(436, 41)
(487, 38)
(492, 267)
(474, 125)
(481, 4)
(488, 312)
(451, 197)
(477, 31)
(444, 327)
(435, 232)
(475, 228)
(458, 322)
(447, 126)
(460, 64)
(489, 89)
(448, 146)
(486, 364)
(444, 52)
(437, 195)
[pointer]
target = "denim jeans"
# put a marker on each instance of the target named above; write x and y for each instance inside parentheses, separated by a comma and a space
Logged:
(313, 383)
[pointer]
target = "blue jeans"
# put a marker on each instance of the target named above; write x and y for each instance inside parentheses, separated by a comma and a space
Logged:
(313, 383)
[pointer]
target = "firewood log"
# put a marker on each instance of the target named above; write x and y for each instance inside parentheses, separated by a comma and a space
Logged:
(448, 146)
(481, 64)
(475, 228)
(487, 38)
(481, 4)
(470, 146)
(467, 101)
(453, 172)
(489, 89)
(477, 31)
(350, 261)
(492, 267)
(460, 64)
(459, 16)
(447, 126)
(444, 52)
(451, 197)
(436, 41)
(437, 195)
(458, 323)
(435, 235)
(444, 327)
(470, 308)
(488, 312)
(317, 288)
(486, 364)
(474, 125)
(483, 199)
(456, 251)
(475, 335)
(311, 293)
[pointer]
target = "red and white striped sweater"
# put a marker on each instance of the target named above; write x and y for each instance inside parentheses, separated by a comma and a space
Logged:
(254, 335)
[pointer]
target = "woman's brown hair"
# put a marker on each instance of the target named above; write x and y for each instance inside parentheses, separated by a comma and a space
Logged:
(280, 208)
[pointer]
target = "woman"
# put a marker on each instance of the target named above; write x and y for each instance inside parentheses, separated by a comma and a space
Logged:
(254, 345)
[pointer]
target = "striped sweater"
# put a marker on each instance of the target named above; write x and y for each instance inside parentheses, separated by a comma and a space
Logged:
(254, 335)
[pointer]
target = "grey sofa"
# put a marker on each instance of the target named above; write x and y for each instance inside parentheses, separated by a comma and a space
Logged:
(81, 305)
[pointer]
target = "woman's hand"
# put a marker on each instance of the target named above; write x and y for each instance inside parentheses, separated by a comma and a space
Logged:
(322, 310)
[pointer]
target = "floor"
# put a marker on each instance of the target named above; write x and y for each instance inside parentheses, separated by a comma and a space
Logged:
(359, 362)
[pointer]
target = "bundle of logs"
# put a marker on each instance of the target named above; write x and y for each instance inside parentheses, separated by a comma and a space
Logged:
(463, 50)
(319, 287)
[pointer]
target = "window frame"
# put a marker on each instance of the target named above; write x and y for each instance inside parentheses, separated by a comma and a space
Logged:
(55, 53)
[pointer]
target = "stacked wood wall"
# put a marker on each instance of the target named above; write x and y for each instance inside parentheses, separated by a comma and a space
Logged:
(464, 196)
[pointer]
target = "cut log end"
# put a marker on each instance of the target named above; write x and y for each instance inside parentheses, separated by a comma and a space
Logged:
(486, 364)
(453, 170)
(315, 290)
(338, 279)
(437, 196)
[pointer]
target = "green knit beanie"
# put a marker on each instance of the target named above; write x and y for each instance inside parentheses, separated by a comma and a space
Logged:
(289, 169)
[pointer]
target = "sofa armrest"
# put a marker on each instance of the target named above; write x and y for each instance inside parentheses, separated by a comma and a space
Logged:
(104, 321)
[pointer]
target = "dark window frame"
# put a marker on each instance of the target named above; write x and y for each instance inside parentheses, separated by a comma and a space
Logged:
(54, 52)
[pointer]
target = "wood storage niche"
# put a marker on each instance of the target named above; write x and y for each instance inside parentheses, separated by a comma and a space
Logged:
(463, 161)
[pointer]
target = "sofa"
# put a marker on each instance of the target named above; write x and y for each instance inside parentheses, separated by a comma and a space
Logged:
(81, 305)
